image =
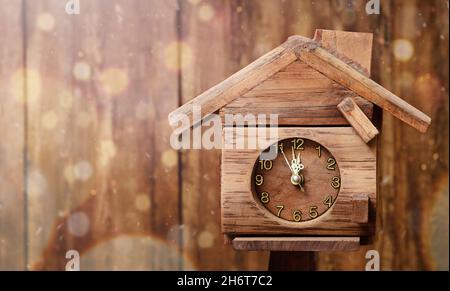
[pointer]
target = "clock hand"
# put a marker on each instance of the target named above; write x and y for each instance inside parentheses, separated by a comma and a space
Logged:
(287, 162)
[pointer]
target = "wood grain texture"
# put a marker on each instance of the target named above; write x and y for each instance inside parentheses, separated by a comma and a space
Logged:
(239, 83)
(356, 47)
(101, 166)
(242, 214)
(297, 244)
(336, 69)
(206, 40)
(361, 207)
(412, 229)
(299, 95)
(292, 261)
(12, 129)
(358, 120)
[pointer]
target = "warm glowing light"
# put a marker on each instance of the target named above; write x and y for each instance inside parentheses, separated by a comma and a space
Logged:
(403, 50)
(33, 85)
(82, 71)
(65, 99)
(107, 151)
(49, 120)
(142, 202)
(46, 22)
(78, 224)
(82, 170)
(206, 12)
(169, 158)
(178, 55)
(114, 81)
(205, 239)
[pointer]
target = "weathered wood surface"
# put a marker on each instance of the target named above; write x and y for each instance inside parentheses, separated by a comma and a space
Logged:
(336, 69)
(358, 120)
(300, 95)
(12, 113)
(298, 244)
(410, 59)
(357, 166)
(102, 172)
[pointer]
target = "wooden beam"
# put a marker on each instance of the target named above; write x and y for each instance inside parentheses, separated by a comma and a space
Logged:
(352, 47)
(236, 85)
(360, 212)
(313, 244)
(337, 70)
(356, 117)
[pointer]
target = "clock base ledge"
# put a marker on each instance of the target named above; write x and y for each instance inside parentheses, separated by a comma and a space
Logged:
(297, 244)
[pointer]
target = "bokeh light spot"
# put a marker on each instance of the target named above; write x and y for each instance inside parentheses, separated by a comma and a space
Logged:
(169, 158)
(206, 12)
(403, 50)
(82, 170)
(78, 224)
(33, 85)
(82, 71)
(49, 120)
(114, 81)
(205, 239)
(107, 151)
(142, 202)
(45, 22)
(172, 57)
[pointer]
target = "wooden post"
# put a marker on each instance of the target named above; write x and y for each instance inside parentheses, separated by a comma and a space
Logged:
(292, 261)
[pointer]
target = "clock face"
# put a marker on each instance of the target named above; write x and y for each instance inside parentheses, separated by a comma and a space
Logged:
(300, 184)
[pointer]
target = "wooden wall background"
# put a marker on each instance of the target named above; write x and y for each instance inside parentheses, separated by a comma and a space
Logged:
(85, 161)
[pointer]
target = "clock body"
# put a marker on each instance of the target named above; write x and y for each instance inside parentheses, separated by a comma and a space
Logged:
(259, 195)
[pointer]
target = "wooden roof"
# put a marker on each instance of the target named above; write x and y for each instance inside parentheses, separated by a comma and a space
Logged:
(336, 67)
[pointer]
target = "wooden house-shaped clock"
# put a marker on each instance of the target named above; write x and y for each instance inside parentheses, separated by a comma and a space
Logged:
(319, 192)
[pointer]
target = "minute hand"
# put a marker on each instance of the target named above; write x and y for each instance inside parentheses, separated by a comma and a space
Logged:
(287, 162)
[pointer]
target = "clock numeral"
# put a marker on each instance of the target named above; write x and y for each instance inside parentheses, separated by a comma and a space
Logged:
(280, 208)
(265, 164)
(319, 151)
(259, 180)
(328, 201)
(331, 164)
(297, 215)
(336, 182)
(298, 143)
(265, 198)
(280, 146)
(313, 212)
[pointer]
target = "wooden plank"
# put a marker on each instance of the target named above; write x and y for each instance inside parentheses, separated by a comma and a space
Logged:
(299, 95)
(241, 214)
(360, 213)
(412, 226)
(102, 172)
(353, 46)
(12, 105)
(298, 244)
(336, 69)
(239, 83)
(302, 96)
(356, 117)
